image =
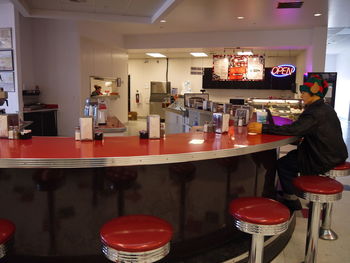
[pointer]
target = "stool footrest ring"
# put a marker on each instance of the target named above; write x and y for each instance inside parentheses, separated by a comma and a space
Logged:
(319, 198)
(135, 257)
(5, 247)
(266, 230)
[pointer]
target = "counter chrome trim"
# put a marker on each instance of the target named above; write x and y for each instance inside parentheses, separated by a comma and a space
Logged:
(138, 160)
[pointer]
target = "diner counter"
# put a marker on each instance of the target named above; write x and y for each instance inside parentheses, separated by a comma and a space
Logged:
(62, 152)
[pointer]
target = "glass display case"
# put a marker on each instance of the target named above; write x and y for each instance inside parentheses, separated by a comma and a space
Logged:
(286, 108)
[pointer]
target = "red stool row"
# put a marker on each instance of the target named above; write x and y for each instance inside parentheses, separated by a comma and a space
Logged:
(7, 231)
(136, 239)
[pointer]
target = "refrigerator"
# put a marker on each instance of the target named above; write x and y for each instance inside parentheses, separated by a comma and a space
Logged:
(160, 94)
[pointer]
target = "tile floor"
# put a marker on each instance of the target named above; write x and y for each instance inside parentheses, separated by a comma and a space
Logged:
(328, 251)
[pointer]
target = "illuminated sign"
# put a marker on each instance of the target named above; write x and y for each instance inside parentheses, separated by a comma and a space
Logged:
(282, 70)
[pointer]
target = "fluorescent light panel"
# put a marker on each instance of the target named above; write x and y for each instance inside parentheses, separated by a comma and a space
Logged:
(198, 54)
(156, 55)
(247, 53)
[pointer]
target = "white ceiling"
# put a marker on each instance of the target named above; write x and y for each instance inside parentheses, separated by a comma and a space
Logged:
(143, 16)
(185, 52)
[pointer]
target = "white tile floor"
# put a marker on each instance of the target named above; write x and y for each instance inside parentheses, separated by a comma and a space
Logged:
(328, 251)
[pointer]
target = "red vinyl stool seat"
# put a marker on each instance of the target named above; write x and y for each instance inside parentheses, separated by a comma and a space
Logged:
(326, 233)
(136, 238)
(7, 231)
(260, 217)
(318, 190)
(340, 170)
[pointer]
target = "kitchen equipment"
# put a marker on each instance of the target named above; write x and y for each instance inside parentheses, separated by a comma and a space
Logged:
(3, 99)
(160, 92)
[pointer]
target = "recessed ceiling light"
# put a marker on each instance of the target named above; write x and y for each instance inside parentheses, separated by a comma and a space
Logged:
(317, 14)
(198, 54)
(156, 55)
(163, 21)
(240, 17)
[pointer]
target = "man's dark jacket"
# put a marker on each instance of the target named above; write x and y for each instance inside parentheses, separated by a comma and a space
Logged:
(322, 147)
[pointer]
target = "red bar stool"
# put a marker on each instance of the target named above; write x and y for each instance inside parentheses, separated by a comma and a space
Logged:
(318, 190)
(326, 232)
(260, 217)
(7, 231)
(136, 238)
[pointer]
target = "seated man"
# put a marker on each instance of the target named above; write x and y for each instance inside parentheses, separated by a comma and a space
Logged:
(322, 146)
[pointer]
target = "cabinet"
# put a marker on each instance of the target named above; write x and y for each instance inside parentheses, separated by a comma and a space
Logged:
(44, 122)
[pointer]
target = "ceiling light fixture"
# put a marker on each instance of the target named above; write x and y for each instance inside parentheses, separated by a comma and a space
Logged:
(317, 14)
(156, 55)
(163, 21)
(240, 17)
(245, 53)
(198, 54)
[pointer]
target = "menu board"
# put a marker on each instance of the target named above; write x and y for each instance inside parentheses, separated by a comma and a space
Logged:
(220, 67)
(238, 67)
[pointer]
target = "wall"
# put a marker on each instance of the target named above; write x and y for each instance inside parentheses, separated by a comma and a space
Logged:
(142, 71)
(9, 18)
(102, 60)
(56, 68)
(340, 64)
(59, 57)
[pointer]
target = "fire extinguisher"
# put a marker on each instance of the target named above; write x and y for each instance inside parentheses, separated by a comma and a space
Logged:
(137, 97)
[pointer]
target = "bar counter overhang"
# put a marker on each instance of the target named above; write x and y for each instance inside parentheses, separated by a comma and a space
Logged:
(188, 179)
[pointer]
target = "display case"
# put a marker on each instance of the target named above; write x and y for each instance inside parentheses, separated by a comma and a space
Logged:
(286, 108)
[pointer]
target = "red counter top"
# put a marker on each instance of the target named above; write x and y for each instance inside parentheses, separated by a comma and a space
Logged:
(62, 152)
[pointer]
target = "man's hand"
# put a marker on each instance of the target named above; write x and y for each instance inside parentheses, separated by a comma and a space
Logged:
(255, 127)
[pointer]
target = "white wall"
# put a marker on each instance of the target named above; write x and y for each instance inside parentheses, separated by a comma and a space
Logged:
(102, 60)
(56, 68)
(142, 73)
(340, 64)
(59, 57)
(9, 19)
(28, 80)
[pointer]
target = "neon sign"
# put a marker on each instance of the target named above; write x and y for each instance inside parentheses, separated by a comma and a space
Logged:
(284, 70)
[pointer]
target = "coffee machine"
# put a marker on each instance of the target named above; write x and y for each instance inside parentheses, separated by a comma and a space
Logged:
(3, 99)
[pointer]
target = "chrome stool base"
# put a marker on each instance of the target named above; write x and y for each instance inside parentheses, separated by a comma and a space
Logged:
(135, 257)
(328, 234)
(6, 247)
(256, 253)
